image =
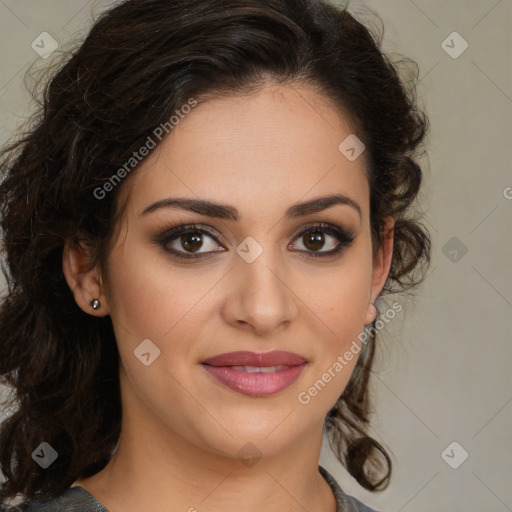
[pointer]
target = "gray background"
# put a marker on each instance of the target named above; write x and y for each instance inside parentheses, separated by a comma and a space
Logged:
(443, 370)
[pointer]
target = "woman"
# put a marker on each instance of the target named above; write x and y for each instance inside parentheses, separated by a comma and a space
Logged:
(197, 230)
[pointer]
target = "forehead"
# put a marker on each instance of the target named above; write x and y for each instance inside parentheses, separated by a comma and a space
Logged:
(279, 144)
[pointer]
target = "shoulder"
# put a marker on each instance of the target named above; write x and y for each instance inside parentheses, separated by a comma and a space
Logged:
(345, 502)
(73, 499)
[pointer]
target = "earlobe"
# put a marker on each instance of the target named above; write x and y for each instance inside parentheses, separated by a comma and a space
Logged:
(83, 278)
(371, 314)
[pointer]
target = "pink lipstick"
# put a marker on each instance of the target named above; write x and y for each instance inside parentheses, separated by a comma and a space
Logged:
(256, 374)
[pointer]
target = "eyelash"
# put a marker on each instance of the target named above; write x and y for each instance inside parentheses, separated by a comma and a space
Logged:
(344, 238)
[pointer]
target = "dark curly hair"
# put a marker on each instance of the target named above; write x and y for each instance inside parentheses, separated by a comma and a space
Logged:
(141, 61)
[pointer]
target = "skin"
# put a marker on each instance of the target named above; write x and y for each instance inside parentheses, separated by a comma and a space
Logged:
(181, 429)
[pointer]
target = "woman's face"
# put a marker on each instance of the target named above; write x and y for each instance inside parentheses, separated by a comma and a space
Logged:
(246, 279)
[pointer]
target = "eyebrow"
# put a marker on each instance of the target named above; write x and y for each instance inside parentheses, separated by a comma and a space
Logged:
(227, 212)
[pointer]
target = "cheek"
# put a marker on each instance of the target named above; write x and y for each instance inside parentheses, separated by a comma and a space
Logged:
(155, 300)
(150, 296)
(342, 302)
(151, 300)
(341, 297)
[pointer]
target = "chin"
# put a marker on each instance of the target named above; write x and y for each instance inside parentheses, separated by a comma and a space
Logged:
(265, 431)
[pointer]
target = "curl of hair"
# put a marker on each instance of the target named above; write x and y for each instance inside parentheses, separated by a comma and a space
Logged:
(143, 60)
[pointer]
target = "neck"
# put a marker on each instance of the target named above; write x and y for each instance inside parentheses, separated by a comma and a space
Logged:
(156, 469)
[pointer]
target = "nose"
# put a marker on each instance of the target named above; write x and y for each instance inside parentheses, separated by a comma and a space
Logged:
(259, 298)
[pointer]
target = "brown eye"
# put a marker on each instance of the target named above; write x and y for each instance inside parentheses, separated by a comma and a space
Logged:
(314, 241)
(191, 242)
(323, 240)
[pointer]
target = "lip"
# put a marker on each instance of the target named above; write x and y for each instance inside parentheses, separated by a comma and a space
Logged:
(257, 384)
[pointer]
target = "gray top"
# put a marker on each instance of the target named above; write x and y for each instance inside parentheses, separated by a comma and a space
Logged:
(77, 499)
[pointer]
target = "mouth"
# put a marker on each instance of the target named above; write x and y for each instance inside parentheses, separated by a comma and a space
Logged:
(256, 374)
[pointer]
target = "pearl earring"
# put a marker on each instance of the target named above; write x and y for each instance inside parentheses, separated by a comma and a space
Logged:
(95, 304)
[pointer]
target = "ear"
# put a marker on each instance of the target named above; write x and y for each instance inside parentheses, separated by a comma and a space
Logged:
(83, 278)
(381, 267)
